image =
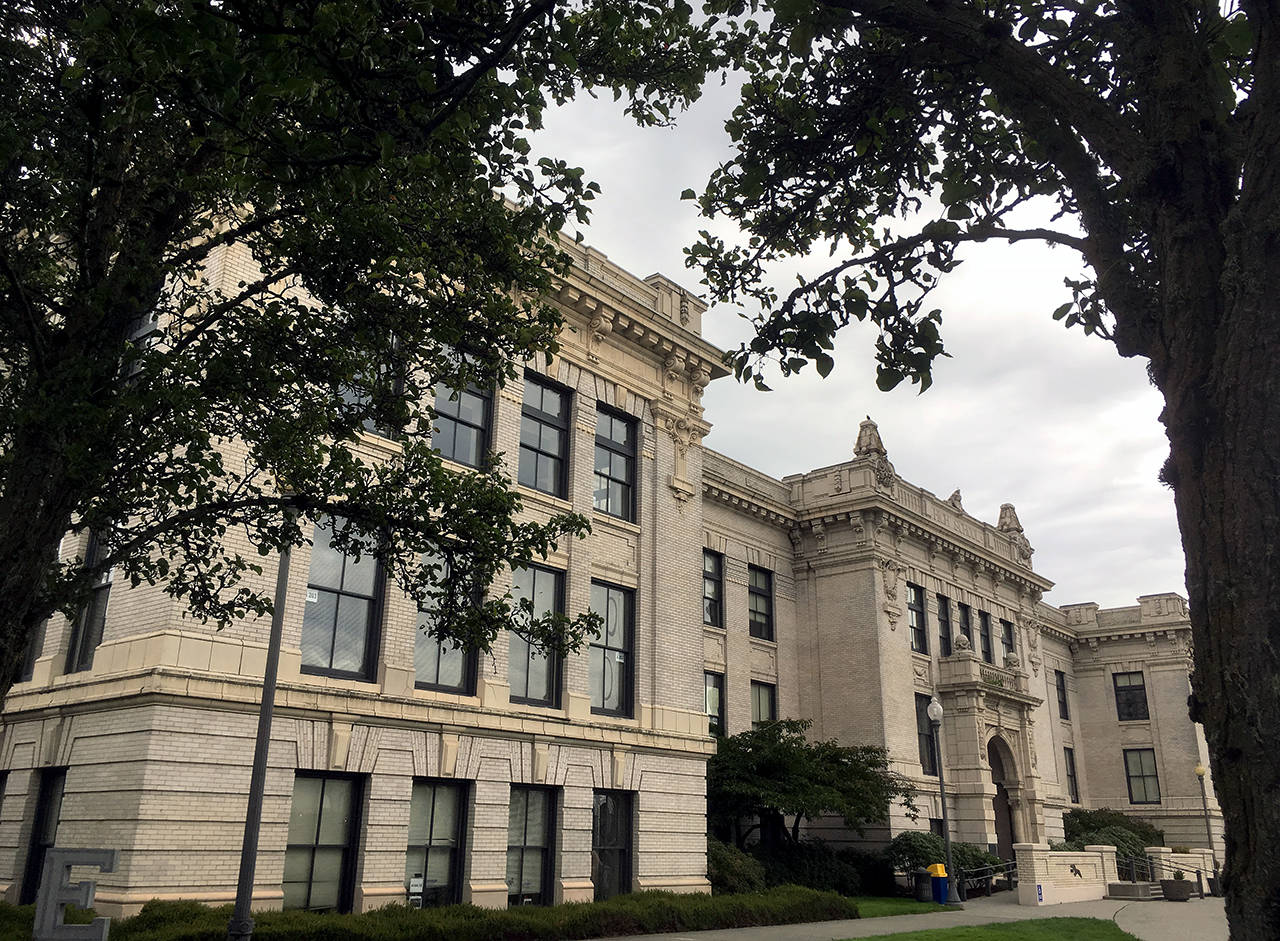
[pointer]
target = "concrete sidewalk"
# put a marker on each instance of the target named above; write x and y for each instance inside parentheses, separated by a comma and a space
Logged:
(1198, 919)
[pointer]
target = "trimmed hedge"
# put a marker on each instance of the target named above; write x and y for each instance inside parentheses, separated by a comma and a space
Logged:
(638, 913)
(810, 863)
(917, 849)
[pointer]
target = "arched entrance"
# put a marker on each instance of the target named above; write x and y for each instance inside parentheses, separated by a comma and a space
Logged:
(1000, 760)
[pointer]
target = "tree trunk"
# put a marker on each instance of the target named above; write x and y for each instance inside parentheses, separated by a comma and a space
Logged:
(1223, 418)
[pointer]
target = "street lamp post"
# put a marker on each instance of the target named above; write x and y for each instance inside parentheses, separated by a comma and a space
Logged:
(240, 928)
(935, 721)
(1208, 827)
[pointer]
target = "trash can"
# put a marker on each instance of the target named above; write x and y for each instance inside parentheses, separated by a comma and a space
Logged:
(938, 876)
(923, 886)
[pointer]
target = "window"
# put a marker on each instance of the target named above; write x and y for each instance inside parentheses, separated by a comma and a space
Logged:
(924, 737)
(44, 832)
(438, 664)
(764, 703)
(615, 465)
(319, 857)
(1060, 682)
(1140, 769)
(1073, 786)
(86, 632)
(611, 844)
(1006, 637)
(935, 826)
(461, 431)
(611, 660)
(339, 621)
(760, 602)
(437, 812)
(544, 437)
(529, 831)
(984, 628)
(916, 619)
(712, 588)
(1131, 696)
(714, 702)
(34, 648)
(944, 625)
(534, 674)
(966, 623)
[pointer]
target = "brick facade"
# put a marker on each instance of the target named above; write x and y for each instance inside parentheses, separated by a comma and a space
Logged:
(156, 738)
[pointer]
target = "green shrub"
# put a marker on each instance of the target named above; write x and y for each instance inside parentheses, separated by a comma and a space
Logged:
(875, 872)
(969, 856)
(1180, 849)
(640, 913)
(1081, 825)
(730, 870)
(811, 863)
(915, 849)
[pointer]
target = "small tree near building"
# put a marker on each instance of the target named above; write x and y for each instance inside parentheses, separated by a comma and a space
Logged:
(772, 778)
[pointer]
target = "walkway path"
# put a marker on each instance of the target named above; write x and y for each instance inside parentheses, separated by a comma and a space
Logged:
(1201, 919)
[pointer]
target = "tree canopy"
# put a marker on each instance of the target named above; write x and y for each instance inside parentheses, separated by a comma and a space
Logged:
(1145, 137)
(773, 772)
(372, 157)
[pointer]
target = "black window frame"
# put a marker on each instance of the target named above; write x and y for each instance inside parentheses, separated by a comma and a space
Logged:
(555, 665)
(984, 632)
(623, 854)
(613, 447)
(467, 685)
(1145, 777)
(546, 894)
(757, 717)
(446, 395)
(1008, 643)
(711, 680)
(917, 619)
(372, 629)
(88, 627)
(760, 595)
(563, 424)
(924, 737)
(351, 848)
(1060, 683)
(452, 895)
(1131, 698)
(38, 846)
(712, 588)
(964, 617)
(944, 625)
(626, 708)
(1073, 782)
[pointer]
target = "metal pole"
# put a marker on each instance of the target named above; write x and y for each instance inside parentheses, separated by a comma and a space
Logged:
(1208, 827)
(952, 896)
(240, 928)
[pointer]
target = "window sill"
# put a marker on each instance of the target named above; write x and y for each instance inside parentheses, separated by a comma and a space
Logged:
(533, 495)
(608, 519)
(770, 642)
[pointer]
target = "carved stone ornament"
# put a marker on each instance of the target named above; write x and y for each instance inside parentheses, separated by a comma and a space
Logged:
(796, 537)
(859, 531)
(1010, 524)
(920, 671)
(699, 378)
(892, 571)
(684, 309)
(1035, 662)
(819, 534)
(839, 481)
(954, 500)
(1012, 662)
(963, 643)
(600, 326)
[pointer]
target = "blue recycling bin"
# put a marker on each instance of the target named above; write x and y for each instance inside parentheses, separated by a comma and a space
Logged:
(940, 889)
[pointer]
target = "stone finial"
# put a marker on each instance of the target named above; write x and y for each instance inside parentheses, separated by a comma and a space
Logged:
(954, 499)
(868, 440)
(1008, 519)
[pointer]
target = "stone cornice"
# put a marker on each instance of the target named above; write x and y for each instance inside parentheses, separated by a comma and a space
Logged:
(737, 498)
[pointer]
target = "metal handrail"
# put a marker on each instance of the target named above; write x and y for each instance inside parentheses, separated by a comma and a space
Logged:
(1129, 868)
(984, 875)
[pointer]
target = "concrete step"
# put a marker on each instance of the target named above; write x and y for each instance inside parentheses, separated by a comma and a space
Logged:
(1138, 891)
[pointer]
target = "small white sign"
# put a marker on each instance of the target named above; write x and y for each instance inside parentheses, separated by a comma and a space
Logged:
(312, 595)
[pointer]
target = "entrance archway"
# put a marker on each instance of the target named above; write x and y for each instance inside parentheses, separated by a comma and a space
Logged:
(1000, 760)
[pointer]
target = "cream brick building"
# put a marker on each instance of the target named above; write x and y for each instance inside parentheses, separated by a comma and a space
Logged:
(512, 780)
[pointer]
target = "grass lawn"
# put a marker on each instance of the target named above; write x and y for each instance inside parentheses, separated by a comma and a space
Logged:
(877, 907)
(1040, 929)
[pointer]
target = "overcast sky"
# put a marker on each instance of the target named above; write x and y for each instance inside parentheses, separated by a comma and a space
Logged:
(1025, 411)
